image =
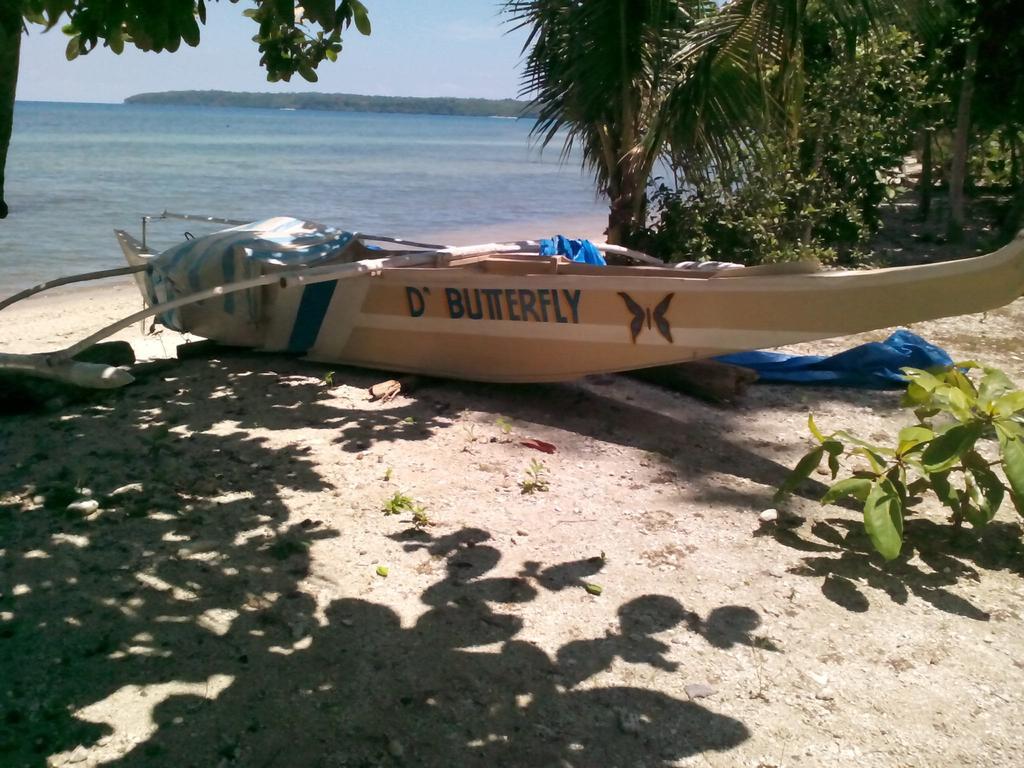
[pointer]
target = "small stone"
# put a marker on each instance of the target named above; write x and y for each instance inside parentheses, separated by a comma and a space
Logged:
(84, 506)
(522, 533)
(395, 748)
(699, 690)
(129, 488)
(769, 516)
(825, 694)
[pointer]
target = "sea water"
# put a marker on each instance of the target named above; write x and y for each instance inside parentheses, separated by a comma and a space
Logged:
(77, 171)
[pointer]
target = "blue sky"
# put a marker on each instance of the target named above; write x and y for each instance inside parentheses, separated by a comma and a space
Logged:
(446, 48)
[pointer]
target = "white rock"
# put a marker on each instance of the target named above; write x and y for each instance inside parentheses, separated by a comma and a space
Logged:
(699, 690)
(129, 488)
(84, 506)
(769, 516)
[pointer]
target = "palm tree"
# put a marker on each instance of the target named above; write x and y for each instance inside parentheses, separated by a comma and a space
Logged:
(625, 79)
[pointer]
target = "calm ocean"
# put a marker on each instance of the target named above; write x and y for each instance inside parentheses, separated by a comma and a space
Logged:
(77, 171)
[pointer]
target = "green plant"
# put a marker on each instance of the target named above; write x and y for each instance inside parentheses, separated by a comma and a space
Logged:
(400, 503)
(535, 478)
(329, 378)
(816, 192)
(970, 423)
(388, 472)
(504, 425)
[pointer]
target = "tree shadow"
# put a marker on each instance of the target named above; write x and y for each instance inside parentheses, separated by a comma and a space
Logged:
(186, 605)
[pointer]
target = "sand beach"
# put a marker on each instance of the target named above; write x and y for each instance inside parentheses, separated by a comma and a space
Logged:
(238, 595)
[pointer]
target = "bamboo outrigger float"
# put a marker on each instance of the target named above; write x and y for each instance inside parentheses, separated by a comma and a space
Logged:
(501, 311)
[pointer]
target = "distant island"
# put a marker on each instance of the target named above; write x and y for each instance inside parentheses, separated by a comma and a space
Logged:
(342, 102)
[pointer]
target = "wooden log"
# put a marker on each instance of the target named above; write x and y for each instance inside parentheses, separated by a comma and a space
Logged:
(22, 392)
(704, 379)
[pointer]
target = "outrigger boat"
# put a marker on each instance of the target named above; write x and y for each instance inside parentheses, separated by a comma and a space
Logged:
(503, 312)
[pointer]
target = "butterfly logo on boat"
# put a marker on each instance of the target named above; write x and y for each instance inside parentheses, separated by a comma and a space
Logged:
(645, 316)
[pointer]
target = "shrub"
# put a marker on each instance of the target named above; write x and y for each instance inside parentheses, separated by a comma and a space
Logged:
(970, 423)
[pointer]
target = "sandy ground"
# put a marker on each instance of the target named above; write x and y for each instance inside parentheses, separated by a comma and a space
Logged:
(225, 606)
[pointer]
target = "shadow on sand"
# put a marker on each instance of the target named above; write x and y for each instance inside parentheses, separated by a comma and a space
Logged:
(184, 606)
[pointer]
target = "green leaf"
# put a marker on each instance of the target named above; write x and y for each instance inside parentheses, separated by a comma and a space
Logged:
(947, 449)
(800, 472)
(858, 487)
(916, 395)
(1008, 428)
(360, 17)
(382, 571)
(964, 385)
(944, 491)
(883, 518)
(994, 384)
(922, 379)
(814, 429)
(594, 589)
(911, 437)
(190, 31)
(992, 494)
(1008, 404)
(73, 49)
(876, 461)
(959, 403)
(1013, 467)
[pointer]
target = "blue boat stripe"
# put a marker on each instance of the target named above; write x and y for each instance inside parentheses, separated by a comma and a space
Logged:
(316, 298)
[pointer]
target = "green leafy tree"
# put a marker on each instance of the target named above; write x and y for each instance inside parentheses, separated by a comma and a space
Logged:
(294, 36)
(976, 54)
(819, 187)
(626, 79)
(612, 74)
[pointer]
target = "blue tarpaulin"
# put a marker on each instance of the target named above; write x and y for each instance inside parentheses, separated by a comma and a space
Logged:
(875, 365)
(582, 251)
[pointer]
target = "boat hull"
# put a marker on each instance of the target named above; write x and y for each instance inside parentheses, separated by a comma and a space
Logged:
(554, 327)
(495, 313)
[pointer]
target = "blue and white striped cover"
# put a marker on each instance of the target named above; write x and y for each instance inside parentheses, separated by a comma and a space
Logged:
(238, 254)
